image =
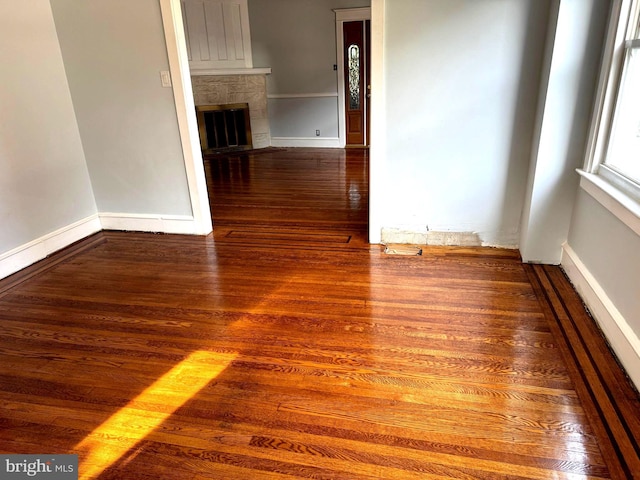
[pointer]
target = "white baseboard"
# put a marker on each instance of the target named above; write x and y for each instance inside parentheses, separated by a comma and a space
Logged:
(20, 257)
(183, 224)
(623, 340)
(309, 142)
(29, 253)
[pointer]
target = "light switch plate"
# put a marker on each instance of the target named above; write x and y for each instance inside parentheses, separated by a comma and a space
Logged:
(165, 77)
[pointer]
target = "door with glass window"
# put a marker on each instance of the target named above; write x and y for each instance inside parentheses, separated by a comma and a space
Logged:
(357, 62)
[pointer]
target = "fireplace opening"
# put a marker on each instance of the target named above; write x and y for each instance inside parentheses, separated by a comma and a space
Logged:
(224, 127)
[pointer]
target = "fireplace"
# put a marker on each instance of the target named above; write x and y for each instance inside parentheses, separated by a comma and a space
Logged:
(230, 89)
(224, 127)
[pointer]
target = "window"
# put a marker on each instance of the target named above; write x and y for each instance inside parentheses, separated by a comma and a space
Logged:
(354, 77)
(615, 149)
(623, 154)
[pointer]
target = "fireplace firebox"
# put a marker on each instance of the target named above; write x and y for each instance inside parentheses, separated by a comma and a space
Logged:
(224, 127)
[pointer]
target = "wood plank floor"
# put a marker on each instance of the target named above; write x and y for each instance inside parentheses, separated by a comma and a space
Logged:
(291, 197)
(263, 351)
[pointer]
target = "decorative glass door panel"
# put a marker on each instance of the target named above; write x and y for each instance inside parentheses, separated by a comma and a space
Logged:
(356, 69)
(354, 77)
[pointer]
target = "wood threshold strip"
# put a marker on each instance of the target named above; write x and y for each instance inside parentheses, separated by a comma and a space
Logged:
(608, 396)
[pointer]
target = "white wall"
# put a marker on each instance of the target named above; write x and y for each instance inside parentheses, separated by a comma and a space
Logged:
(301, 117)
(44, 183)
(113, 53)
(603, 261)
(461, 82)
(611, 251)
(297, 39)
(575, 48)
(601, 254)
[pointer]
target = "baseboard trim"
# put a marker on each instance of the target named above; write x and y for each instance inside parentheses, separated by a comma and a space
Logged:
(306, 142)
(182, 224)
(20, 257)
(621, 337)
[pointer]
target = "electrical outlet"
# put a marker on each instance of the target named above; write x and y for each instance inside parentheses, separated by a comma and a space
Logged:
(317, 133)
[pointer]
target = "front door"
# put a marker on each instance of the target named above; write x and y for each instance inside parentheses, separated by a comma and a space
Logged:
(357, 62)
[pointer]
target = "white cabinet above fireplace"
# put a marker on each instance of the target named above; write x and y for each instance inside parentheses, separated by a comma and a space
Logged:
(217, 34)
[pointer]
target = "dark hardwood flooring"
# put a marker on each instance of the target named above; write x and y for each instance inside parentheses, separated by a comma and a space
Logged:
(284, 346)
(291, 197)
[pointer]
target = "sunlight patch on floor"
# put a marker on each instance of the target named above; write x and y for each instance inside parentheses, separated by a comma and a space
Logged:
(120, 433)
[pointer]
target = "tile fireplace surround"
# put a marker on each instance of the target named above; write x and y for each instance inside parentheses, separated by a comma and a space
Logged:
(225, 89)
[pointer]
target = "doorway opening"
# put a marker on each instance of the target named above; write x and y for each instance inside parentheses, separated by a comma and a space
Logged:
(353, 40)
(185, 105)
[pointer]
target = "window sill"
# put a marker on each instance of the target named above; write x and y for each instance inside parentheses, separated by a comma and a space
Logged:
(625, 208)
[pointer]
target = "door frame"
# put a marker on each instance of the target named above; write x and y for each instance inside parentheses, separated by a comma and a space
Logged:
(172, 22)
(345, 15)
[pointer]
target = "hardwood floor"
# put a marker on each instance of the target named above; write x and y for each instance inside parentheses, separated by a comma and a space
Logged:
(284, 346)
(291, 197)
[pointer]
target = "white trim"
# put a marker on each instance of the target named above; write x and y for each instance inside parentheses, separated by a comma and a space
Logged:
(186, 115)
(230, 71)
(245, 35)
(301, 95)
(352, 14)
(134, 222)
(606, 89)
(621, 337)
(625, 208)
(346, 15)
(378, 137)
(342, 129)
(35, 250)
(227, 26)
(309, 142)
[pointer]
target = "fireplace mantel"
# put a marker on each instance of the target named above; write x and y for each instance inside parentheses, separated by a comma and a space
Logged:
(230, 71)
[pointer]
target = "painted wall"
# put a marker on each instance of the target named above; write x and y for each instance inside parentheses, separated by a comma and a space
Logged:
(461, 82)
(301, 117)
(113, 53)
(576, 37)
(44, 184)
(608, 251)
(297, 39)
